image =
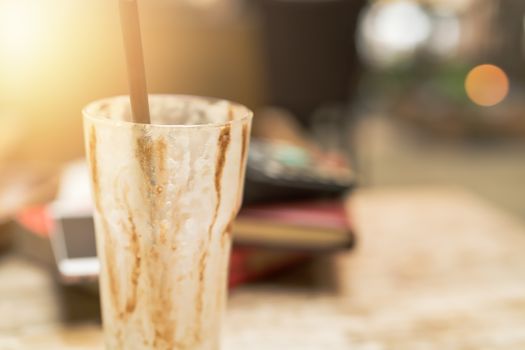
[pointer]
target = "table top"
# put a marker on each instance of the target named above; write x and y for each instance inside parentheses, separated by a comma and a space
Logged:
(434, 268)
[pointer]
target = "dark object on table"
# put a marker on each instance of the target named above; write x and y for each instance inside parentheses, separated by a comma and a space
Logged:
(278, 170)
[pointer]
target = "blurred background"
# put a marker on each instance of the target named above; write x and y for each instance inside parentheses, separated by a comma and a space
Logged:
(366, 94)
(427, 91)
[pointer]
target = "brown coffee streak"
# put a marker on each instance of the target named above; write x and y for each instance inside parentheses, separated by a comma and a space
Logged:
(164, 337)
(244, 145)
(160, 148)
(109, 253)
(94, 166)
(159, 302)
(228, 229)
(152, 159)
(242, 163)
(161, 179)
(223, 143)
(144, 153)
(161, 305)
(136, 268)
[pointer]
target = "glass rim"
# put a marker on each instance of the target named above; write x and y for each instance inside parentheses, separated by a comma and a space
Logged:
(89, 113)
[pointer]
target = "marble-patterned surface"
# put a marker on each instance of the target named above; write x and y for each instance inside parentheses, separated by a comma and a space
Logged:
(435, 268)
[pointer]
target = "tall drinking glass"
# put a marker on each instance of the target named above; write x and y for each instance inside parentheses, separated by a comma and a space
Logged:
(165, 197)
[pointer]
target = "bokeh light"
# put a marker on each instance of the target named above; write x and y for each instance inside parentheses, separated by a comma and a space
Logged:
(390, 31)
(487, 85)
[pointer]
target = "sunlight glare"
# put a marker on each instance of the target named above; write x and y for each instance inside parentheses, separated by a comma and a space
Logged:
(19, 27)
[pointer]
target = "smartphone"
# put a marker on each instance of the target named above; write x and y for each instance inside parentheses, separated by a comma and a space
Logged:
(73, 243)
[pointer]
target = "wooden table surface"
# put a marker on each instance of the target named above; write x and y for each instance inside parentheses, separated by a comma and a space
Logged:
(435, 268)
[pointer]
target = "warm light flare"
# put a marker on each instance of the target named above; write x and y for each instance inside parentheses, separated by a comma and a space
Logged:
(487, 85)
(19, 26)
